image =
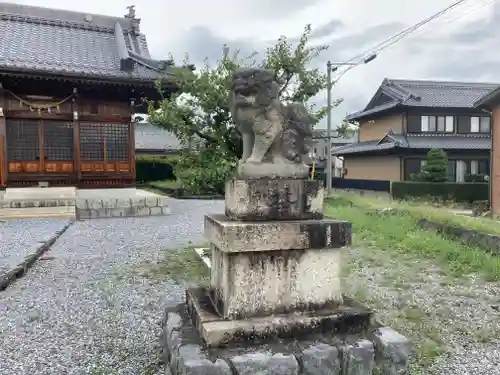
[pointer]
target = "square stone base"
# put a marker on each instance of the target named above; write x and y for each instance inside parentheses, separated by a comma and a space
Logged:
(347, 318)
(274, 199)
(248, 284)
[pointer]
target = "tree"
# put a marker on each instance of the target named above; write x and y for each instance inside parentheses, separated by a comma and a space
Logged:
(435, 168)
(347, 130)
(198, 114)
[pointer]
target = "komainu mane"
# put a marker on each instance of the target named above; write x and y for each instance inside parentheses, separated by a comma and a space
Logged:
(276, 137)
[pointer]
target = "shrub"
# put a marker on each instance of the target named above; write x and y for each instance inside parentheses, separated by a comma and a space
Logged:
(155, 168)
(458, 192)
(435, 168)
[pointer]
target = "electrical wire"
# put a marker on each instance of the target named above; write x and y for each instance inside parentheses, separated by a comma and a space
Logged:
(403, 34)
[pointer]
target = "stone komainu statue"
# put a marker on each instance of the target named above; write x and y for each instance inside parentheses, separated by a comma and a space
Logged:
(276, 137)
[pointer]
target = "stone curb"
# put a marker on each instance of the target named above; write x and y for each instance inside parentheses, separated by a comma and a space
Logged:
(489, 242)
(386, 352)
(18, 271)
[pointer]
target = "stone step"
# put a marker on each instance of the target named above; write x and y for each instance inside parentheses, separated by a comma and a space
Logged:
(61, 212)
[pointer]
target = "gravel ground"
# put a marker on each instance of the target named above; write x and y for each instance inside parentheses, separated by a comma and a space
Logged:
(20, 238)
(453, 321)
(85, 310)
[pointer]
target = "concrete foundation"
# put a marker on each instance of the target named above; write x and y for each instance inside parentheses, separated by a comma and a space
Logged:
(73, 203)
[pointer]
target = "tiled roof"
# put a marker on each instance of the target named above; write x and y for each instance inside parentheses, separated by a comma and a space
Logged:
(70, 43)
(423, 142)
(407, 93)
(150, 137)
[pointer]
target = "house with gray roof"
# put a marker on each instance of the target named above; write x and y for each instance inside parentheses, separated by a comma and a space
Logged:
(152, 140)
(407, 118)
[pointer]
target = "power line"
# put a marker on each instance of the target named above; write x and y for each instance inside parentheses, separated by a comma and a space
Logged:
(456, 18)
(396, 38)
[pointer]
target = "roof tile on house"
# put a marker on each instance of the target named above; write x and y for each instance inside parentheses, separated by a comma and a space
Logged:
(150, 137)
(413, 93)
(71, 43)
(420, 141)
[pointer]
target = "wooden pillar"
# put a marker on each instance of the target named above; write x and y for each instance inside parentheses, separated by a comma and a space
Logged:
(132, 140)
(3, 140)
(76, 138)
(495, 161)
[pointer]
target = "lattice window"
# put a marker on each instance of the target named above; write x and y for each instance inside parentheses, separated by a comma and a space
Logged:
(117, 141)
(58, 140)
(23, 140)
(91, 141)
(104, 141)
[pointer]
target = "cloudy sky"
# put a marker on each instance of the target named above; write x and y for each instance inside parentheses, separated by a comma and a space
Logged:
(461, 45)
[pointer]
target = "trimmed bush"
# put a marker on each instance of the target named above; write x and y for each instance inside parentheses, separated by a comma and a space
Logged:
(155, 168)
(458, 192)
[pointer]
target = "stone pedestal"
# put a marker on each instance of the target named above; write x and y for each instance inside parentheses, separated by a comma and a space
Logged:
(276, 265)
(264, 268)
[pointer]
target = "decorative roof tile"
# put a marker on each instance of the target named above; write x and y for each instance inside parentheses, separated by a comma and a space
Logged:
(420, 142)
(71, 43)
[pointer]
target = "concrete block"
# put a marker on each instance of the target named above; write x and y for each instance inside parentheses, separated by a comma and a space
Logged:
(320, 359)
(274, 199)
(265, 364)
(241, 236)
(393, 351)
(359, 359)
(266, 282)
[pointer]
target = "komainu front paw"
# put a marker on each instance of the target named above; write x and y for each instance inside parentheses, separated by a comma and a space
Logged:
(253, 160)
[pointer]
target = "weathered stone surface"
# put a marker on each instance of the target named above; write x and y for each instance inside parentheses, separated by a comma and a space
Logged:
(264, 364)
(320, 359)
(217, 331)
(358, 359)
(274, 199)
(249, 284)
(241, 236)
(204, 367)
(393, 351)
(183, 356)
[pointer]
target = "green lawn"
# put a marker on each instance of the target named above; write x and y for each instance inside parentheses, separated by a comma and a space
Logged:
(413, 279)
(428, 211)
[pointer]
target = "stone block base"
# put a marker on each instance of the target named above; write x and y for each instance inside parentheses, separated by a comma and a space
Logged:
(126, 207)
(215, 331)
(274, 199)
(378, 350)
(247, 236)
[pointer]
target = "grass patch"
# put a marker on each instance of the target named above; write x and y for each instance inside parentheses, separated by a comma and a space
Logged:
(182, 265)
(170, 184)
(428, 211)
(401, 233)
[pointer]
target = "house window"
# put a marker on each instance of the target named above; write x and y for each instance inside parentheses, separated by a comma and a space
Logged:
(461, 170)
(478, 167)
(437, 124)
(480, 124)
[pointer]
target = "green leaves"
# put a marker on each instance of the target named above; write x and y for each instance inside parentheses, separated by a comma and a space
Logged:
(200, 110)
(436, 167)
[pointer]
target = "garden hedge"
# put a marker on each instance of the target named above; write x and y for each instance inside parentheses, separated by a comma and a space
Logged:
(458, 192)
(155, 168)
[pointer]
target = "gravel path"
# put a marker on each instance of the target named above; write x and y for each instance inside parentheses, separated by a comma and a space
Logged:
(86, 310)
(20, 238)
(453, 321)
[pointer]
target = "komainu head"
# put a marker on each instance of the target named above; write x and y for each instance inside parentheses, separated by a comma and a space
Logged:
(254, 87)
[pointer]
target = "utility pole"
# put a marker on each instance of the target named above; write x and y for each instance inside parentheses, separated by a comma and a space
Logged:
(329, 166)
(329, 70)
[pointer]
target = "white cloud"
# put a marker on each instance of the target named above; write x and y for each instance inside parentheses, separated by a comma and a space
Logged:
(450, 48)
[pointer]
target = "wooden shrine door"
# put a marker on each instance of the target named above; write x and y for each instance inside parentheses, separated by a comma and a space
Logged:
(39, 147)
